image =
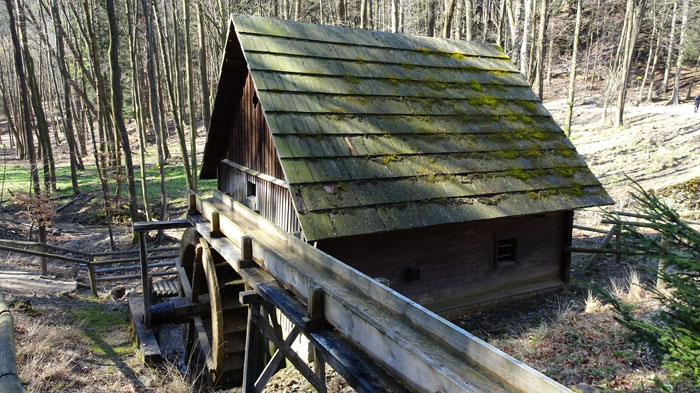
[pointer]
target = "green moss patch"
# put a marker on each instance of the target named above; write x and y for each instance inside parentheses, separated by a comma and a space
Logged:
(474, 85)
(484, 100)
(350, 78)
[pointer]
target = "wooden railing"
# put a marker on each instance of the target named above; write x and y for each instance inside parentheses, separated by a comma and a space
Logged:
(100, 267)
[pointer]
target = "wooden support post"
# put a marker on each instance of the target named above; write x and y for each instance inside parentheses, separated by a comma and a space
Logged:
(92, 278)
(246, 260)
(603, 245)
(274, 363)
(618, 242)
(192, 209)
(215, 225)
(252, 343)
(145, 282)
(316, 321)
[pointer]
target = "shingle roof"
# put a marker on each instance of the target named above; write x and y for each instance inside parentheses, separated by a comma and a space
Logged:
(380, 132)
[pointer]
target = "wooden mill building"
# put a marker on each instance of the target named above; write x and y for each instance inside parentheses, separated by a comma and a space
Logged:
(425, 161)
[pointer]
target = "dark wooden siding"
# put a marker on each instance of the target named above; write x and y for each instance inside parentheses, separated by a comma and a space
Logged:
(250, 144)
(456, 261)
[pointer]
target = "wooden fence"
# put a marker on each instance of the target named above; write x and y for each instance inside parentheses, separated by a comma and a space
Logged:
(101, 266)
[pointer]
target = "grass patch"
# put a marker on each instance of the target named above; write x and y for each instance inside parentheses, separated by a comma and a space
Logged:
(17, 178)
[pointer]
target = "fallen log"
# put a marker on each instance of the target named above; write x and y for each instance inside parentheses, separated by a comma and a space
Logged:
(9, 380)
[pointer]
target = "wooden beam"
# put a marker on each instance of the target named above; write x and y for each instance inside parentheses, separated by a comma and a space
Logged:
(425, 351)
(257, 174)
(274, 363)
(145, 336)
(158, 225)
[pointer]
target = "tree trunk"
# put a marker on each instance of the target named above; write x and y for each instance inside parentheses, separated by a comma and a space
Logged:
(175, 106)
(669, 58)
(468, 19)
(395, 10)
(431, 18)
(525, 41)
(24, 93)
(539, 80)
(37, 106)
(206, 107)
(117, 107)
(675, 99)
(637, 15)
(190, 95)
(449, 14)
(67, 114)
(652, 52)
(572, 72)
(154, 107)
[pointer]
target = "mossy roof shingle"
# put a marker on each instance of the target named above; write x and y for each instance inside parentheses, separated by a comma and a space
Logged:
(380, 132)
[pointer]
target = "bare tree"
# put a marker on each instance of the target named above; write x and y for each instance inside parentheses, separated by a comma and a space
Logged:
(675, 100)
(572, 72)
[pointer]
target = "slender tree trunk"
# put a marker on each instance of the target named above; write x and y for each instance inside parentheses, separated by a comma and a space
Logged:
(525, 41)
(671, 40)
(572, 72)
(675, 99)
(449, 14)
(136, 102)
(637, 15)
(24, 95)
(168, 67)
(431, 18)
(539, 80)
(39, 114)
(468, 19)
(395, 10)
(67, 113)
(154, 107)
(190, 94)
(206, 108)
(501, 19)
(652, 53)
(117, 107)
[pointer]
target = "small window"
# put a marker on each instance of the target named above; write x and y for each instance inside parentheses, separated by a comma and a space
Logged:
(250, 190)
(506, 252)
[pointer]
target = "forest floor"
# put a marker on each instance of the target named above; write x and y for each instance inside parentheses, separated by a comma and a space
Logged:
(68, 341)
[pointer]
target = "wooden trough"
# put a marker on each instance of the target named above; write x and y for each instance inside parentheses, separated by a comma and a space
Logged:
(377, 339)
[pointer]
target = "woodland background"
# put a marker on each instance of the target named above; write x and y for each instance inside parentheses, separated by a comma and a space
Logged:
(116, 79)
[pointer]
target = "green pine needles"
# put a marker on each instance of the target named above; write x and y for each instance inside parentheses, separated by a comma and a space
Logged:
(675, 330)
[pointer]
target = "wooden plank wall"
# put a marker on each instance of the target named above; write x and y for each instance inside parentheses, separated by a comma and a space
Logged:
(456, 261)
(274, 202)
(251, 145)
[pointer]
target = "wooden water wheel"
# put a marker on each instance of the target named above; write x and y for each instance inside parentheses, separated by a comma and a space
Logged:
(215, 343)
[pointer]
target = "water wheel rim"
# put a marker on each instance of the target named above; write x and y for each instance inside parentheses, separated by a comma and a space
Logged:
(215, 358)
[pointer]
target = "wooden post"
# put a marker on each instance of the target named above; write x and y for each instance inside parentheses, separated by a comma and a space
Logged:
(145, 280)
(317, 318)
(215, 225)
(603, 244)
(246, 252)
(92, 278)
(618, 241)
(252, 343)
(192, 209)
(42, 239)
